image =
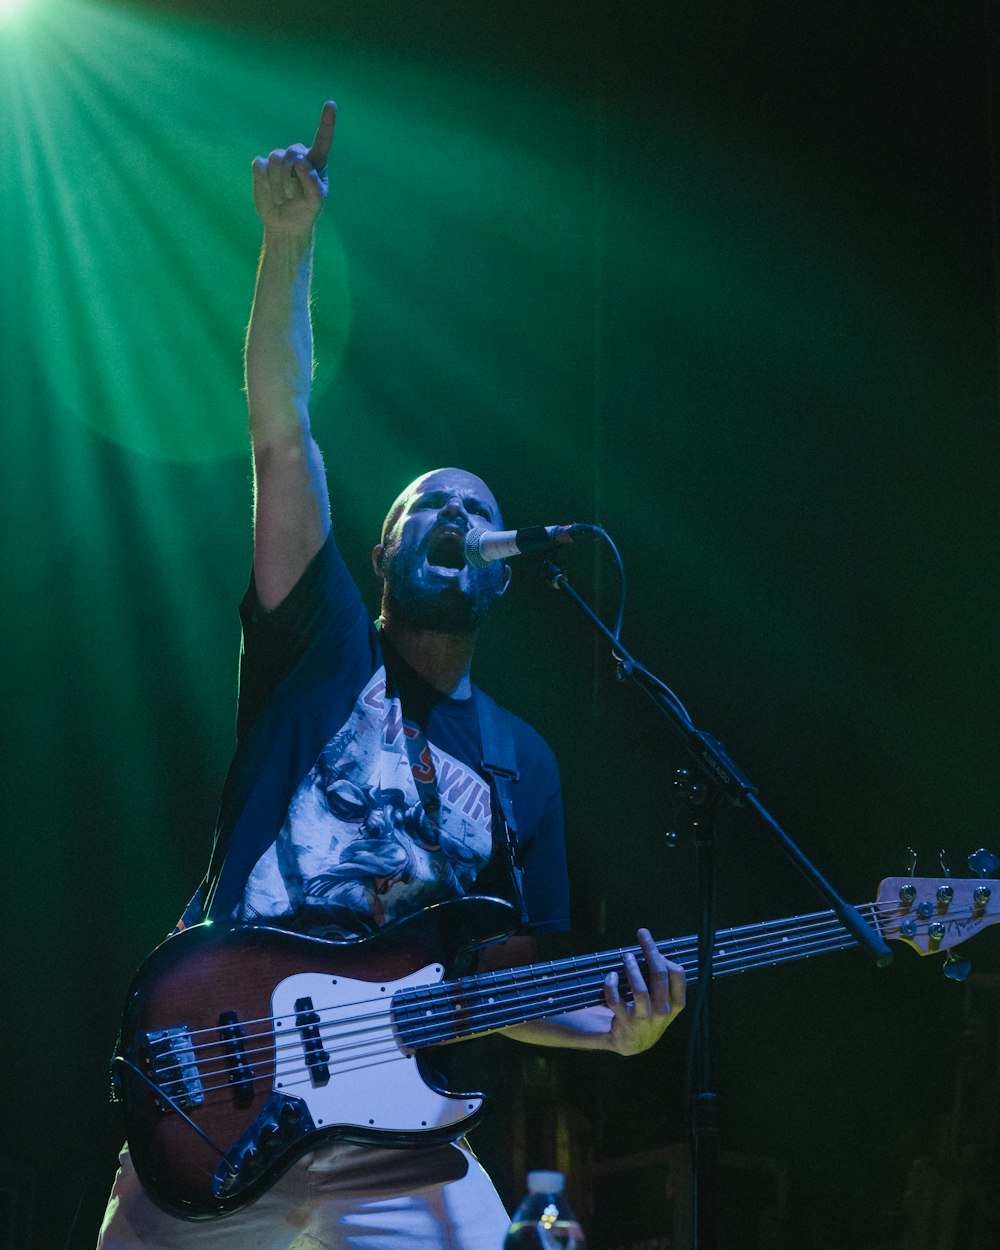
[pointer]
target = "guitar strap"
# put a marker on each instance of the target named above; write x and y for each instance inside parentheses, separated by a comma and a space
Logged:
(500, 764)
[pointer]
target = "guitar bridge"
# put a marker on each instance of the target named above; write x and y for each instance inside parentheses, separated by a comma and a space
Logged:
(173, 1067)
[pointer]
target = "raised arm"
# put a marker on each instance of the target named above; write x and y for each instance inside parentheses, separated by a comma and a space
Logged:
(291, 506)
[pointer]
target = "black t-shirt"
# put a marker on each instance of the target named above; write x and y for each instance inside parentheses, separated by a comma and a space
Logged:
(357, 794)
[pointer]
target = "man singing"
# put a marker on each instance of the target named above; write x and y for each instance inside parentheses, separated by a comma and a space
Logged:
(358, 794)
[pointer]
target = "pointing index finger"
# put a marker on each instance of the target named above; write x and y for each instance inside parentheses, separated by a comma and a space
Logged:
(320, 150)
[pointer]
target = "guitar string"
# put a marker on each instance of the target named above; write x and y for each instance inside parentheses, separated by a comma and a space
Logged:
(440, 996)
(582, 993)
(439, 999)
(392, 1051)
(725, 961)
(490, 1011)
(485, 986)
(499, 1014)
(671, 948)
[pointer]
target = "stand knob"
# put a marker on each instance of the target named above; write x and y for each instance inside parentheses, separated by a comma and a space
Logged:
(686, 786)
(983, 862)
(956, 969)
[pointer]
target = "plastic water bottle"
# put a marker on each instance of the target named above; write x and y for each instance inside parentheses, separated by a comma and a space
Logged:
(544, 1220)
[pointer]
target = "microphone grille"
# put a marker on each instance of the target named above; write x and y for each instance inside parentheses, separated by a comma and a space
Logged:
(473, 549)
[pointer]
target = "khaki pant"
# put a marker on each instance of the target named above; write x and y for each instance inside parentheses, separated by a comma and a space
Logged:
(342, 1197)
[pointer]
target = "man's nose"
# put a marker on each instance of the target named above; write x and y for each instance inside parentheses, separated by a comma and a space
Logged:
(454, 508)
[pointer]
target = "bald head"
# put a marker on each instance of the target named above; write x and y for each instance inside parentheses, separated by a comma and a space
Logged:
(476, 496)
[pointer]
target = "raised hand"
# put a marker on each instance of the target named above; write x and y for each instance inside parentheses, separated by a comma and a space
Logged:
(637, 1025)
(291, 184)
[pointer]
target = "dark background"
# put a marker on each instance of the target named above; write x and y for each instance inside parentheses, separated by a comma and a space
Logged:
(720, 276)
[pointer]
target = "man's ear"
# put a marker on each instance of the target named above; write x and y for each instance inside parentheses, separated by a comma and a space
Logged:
(378, 555)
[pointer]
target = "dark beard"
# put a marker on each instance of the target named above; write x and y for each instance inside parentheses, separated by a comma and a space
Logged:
(444, 609)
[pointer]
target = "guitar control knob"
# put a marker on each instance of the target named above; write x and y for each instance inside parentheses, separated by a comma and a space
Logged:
(907, 893)
(249, 1160)
(290, 1114)
(945, 894)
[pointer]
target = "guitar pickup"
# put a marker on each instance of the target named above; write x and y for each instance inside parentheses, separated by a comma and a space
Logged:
(241, 1074)
(173, 1067)
(317, 1060)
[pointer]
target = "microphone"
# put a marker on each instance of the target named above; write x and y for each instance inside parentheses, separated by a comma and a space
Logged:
(482, 547)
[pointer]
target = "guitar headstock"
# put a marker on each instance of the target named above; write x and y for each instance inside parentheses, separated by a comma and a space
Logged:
(934, 914)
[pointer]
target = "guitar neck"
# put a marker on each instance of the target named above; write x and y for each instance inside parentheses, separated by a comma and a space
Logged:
(468, 1007)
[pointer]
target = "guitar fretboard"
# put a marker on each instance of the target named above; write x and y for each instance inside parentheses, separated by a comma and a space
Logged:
(470, 1006)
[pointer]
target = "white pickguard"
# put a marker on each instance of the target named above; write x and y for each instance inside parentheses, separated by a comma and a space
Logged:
(374, 1082)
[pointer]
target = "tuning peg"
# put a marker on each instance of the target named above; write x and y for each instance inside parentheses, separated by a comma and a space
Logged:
(911, 867)
(983, 862)
(944, 859)
(956, 969)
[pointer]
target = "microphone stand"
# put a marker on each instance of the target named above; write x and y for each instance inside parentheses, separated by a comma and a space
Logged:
(716, 776)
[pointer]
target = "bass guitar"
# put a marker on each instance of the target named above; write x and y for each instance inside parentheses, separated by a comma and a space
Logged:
(241, 1048)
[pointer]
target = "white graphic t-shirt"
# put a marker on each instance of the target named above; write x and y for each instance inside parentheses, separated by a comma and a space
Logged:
(383, 824)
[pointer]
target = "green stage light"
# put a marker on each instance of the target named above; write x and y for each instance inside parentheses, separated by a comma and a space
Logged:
(11, 9)
(133, 193)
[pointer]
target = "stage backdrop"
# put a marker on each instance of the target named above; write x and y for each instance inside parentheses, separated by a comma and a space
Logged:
(721, 278)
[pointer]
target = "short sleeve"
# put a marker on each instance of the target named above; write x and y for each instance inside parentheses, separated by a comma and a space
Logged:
(324, 605)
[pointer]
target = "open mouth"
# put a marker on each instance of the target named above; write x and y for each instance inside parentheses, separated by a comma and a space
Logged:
(446, 549)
